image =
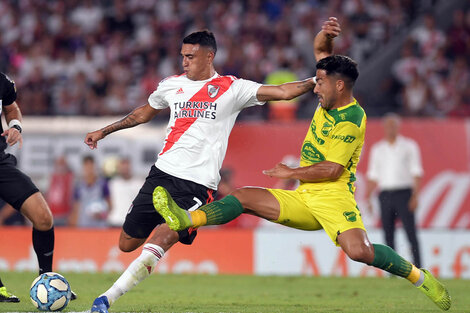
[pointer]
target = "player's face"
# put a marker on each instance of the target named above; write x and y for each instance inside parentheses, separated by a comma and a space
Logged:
(325, 89)
(197, 61)
(391, 127)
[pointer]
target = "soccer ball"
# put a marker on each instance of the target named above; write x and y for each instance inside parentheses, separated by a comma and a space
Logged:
(50, 292)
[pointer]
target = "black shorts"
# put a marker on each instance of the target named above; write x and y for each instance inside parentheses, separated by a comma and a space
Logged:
(15, 186)
(142, 217)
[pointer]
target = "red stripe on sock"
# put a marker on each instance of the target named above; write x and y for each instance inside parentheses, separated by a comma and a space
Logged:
(153, 251)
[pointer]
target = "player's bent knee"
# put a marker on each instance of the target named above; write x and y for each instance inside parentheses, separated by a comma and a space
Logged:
(361, 253)
(43, 220)
(242, 195)
(127, 246)
(37, 211)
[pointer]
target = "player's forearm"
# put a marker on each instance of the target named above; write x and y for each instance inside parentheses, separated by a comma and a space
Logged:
(295, 89)
(417, 184)
(320, 172)
(322, 45)
(132, 119)
(12, 112)
(371, 185)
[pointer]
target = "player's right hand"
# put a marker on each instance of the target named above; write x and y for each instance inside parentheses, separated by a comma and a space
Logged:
(369, 206)
(331, 27)
(91, 139)
(13, 136)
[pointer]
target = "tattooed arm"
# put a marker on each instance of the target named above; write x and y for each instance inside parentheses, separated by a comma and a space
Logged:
(140, 115)
(285, 91)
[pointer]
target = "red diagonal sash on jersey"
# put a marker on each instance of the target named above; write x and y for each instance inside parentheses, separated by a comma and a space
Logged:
(183, 124)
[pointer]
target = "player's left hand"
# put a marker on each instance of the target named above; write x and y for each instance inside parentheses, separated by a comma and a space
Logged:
(279, 171)
(331, 27)
(13, 136)
(413, 203)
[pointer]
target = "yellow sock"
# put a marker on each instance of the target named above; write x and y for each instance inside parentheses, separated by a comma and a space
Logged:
(198, 217)
(414, 275)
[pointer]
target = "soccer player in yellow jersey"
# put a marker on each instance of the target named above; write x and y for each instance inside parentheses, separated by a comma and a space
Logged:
(325, 197)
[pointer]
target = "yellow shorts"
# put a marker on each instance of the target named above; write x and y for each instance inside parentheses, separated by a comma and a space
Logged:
(334, 211)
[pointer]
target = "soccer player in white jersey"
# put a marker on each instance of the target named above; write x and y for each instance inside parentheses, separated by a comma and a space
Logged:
(204, 106)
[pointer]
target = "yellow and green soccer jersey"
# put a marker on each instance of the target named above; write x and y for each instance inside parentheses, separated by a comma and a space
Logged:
(336, 136)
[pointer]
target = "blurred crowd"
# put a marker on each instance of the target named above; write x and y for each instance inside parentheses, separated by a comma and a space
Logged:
(105, 57)
(432, 75)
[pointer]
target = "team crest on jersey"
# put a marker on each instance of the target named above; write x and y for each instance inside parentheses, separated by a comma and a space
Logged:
(212, 90)
(327, 127)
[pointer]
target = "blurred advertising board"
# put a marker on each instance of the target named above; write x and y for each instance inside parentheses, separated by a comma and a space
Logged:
(274, 250)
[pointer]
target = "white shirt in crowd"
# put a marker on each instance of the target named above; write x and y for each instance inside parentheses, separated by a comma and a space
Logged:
(122, 192)
(203, 113)
(395, 166)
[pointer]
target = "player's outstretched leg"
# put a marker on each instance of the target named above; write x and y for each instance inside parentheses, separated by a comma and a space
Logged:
(137, 271)
(5, 296)
(387, 259)
(215, 213)
(100, 305)
(176, 218)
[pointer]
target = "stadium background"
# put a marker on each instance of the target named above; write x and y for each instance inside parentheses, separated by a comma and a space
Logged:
(80, 64)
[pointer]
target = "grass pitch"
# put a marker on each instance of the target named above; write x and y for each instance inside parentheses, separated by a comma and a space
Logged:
(224, 293)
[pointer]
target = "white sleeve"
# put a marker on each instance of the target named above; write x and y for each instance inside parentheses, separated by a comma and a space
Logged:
(157, 98)
(245, 93)
(416, 168)
(373, 166)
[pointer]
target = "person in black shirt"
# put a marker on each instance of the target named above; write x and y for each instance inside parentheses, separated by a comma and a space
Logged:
(18, 190)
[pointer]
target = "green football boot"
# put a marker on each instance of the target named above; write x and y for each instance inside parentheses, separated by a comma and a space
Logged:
(176, 218)
(5, 296)
(435, 291)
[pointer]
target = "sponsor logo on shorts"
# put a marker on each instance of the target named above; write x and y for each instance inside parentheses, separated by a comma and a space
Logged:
(350, 216)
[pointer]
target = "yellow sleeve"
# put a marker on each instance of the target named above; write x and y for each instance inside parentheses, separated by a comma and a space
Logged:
(345, 137)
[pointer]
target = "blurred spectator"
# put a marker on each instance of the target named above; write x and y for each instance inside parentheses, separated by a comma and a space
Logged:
(91, 197)
(395, 168)
(123, 189)
(60, 193)
(416, 96)
(429, 38)
(407, 66)
(282, 111)
(458, 36)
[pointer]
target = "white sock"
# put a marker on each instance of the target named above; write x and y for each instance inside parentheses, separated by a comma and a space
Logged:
(420, 280)
(137, 271)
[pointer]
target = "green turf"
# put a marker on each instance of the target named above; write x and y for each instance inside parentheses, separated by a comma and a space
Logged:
(204, 293)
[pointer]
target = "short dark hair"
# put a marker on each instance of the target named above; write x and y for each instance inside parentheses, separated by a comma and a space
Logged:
(88, 158)
(340, 65)
(204, 38)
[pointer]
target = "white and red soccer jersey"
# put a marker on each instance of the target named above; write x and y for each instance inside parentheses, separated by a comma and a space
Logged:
(202, 116)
